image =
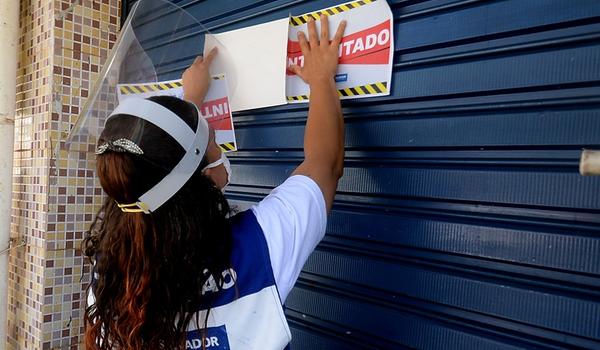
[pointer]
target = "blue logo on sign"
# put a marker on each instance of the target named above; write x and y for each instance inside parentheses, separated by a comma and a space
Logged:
(215, 339)
(341, 77)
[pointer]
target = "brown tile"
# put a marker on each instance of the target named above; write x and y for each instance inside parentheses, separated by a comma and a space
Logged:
(43, 41)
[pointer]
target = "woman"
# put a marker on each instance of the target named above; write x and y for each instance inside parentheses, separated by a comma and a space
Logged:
(172, 270)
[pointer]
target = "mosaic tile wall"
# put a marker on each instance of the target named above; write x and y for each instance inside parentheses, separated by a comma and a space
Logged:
(63, 45)
(30, 180)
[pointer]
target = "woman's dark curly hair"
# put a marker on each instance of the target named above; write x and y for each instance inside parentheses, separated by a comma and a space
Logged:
(150, 268)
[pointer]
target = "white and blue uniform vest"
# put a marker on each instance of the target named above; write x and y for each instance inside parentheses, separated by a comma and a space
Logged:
(246, 312)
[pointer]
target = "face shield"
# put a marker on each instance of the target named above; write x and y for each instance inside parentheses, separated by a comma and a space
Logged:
(158, 41)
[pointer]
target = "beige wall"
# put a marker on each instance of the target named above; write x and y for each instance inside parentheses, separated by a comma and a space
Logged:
(62, 46)
(9, 35)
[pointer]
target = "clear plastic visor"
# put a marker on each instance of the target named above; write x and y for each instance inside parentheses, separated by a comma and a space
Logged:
(158, 41)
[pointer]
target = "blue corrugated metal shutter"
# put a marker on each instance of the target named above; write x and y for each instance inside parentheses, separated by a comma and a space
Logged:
(461, 221)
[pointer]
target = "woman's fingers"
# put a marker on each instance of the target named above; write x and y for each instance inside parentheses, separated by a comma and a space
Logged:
(324, 30)
(312, 34)
(339, 34)
(208, 59)
(297, 70)
(211, 56)
(323, 39)
(303, 44)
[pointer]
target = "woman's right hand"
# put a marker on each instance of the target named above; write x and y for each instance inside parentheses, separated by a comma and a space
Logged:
(320, 55)
(196, 79)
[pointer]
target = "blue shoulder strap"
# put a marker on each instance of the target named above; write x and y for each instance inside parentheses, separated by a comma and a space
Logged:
(250, 260)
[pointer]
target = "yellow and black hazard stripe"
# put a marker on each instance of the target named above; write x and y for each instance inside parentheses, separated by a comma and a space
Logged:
(227, 146)
(300, 20)
(152, 87)
(375, 88)
(297, 98)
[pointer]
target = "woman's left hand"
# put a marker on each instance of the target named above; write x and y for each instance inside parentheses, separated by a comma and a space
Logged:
(196, 79)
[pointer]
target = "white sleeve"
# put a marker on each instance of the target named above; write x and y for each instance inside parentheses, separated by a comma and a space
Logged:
(293, 218)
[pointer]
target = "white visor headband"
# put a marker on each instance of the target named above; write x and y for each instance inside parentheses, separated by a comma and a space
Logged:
(194, 143)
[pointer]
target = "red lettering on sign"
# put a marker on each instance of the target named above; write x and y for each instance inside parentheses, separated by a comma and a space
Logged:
(369, 46)
(217, 114)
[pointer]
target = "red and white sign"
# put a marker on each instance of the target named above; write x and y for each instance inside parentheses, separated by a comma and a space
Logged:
(370, 46)
(217, 111)
(365, 53)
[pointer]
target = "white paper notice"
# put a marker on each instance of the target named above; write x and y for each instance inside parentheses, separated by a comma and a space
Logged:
(254, 64)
